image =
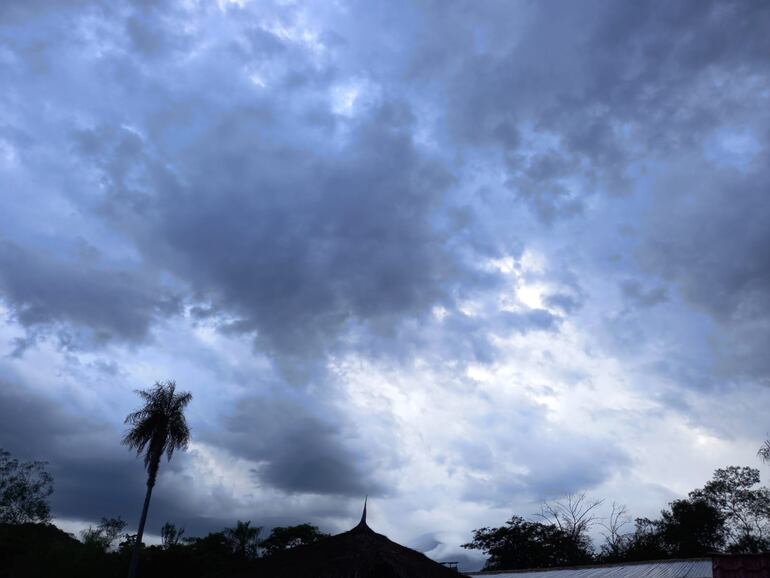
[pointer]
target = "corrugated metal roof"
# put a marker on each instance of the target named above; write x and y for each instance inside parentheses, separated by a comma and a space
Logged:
(664, 569)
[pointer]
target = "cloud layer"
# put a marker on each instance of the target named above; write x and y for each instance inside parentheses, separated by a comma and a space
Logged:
(460, 257)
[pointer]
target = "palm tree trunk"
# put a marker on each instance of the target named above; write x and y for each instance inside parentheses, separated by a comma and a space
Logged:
(134, 565)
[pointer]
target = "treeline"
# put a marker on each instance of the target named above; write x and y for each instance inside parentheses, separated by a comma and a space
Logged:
(32, 550)
(729, 514)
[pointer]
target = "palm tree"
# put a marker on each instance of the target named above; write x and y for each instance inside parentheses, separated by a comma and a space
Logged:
(243, 539)
(158, 428)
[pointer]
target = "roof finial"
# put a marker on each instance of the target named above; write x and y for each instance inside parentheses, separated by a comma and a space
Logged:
(363, 515)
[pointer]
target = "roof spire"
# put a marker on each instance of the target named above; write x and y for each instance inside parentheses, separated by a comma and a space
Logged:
(362, 523)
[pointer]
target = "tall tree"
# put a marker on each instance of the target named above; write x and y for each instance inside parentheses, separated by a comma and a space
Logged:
(745, 506)
(692, 528)
(158, 428)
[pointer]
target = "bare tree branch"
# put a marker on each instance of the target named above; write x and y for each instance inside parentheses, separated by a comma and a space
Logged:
(575, 514)
(614, 525)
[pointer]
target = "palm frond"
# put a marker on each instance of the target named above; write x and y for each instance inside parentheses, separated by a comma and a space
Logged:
(159, 426)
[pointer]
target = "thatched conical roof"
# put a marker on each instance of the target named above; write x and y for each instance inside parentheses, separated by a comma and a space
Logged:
(357, 553)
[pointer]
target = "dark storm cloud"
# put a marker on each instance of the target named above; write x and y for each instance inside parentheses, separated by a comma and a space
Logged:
(292, 241)
(282, 218)
(298, 225)
(601, 85)
(297, 253)
(93, 475)
(714, 251)
(587, 102)
(107, 302)
(300, 446)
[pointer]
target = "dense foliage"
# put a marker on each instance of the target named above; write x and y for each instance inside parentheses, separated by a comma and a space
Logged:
(522, 544)
(286, 537)
(731, 513)
(744, 505)
(42, 551)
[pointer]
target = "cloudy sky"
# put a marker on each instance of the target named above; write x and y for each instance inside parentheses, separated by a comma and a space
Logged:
(458, 256)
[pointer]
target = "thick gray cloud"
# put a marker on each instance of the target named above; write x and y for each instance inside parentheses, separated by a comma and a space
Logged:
(713, 251)
(299, 446)
(598, 87)
(297, 242)
(93, 476)
(297, 254)
(291, 221)
(103, 301)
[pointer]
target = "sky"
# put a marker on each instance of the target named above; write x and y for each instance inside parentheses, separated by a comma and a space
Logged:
(458, 256)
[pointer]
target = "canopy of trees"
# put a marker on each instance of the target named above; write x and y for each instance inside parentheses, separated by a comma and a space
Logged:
(522, 544)
(38, 550)
(243, 539)
(284, 538)
(744, 505)
(731, 513)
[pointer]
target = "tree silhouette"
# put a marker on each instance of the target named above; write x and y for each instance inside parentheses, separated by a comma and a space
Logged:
(692, 528)
(243, 539)
(171, 535)
(525, 544)
(24, 491)
(158, 428)
(744, 504)
(104, 535)
(615, 537)
(575, 514)
(287, 537)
